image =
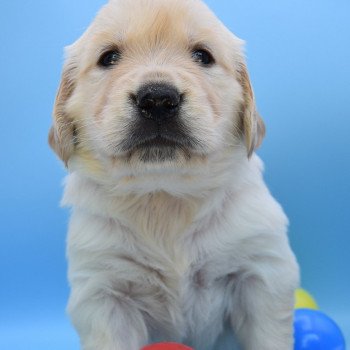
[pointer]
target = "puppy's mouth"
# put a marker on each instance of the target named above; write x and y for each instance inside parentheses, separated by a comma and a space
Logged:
(159, 144)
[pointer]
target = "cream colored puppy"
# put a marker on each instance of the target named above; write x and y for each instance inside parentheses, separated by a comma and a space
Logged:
(173, 232)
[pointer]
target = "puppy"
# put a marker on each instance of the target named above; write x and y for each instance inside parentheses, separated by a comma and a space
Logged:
(173, 233)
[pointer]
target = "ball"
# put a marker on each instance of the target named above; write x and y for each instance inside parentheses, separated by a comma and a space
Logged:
(304, 300)
(166, 346)
(314, 330)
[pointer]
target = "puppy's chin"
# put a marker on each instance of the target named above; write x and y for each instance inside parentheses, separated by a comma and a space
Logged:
(156, 154)
(159, 150)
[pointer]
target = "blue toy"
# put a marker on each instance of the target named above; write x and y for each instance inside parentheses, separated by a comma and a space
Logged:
(313, 330)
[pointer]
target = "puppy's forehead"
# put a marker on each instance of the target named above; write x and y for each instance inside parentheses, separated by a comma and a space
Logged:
(157, 20)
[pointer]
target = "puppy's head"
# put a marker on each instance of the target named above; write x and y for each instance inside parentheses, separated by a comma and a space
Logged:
(154, 84)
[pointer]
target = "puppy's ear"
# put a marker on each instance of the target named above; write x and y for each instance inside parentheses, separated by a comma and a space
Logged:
(62, 132)
(253, 126)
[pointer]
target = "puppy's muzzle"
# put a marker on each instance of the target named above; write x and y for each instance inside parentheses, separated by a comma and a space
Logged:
(159, 102)
(159, 130)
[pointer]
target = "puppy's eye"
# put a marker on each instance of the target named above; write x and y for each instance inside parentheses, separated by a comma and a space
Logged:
(109, 58)
(203, 57)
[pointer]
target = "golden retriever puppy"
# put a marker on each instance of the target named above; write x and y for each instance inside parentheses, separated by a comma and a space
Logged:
(173, 233)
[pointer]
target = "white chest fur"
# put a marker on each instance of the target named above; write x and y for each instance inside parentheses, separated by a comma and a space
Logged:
(173, 265)
(180, 293)
(153, 252)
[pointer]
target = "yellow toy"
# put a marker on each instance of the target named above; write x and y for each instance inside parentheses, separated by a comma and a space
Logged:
(304, 300)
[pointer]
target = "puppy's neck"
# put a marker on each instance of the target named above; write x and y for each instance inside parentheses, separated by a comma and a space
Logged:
(159, 213)
(159, 218)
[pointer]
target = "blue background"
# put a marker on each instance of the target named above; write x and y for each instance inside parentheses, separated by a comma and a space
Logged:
(298, 56)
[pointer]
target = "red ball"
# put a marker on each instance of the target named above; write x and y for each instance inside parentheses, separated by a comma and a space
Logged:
(166, 346)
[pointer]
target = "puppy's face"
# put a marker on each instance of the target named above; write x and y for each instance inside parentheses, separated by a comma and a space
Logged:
(153, 84)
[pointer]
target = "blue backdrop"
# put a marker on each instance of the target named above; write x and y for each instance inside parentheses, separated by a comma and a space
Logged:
(298, 56)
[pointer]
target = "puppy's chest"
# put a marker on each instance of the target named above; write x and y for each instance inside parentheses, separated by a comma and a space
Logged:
(183, 297)
(183, 287)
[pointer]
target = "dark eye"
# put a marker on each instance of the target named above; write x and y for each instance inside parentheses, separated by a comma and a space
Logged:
(109, 58)
(203, 57)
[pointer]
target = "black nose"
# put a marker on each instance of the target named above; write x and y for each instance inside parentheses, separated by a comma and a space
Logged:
(158, 101)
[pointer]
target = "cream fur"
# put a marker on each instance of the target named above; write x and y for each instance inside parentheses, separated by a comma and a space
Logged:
(174, 249)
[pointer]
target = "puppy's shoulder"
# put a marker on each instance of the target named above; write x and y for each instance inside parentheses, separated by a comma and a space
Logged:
(252, 206)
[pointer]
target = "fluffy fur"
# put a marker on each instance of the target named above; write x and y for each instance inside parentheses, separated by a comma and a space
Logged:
(169, 247)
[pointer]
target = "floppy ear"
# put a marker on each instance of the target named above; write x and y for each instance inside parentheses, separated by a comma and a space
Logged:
(62, 132)
(252, 124)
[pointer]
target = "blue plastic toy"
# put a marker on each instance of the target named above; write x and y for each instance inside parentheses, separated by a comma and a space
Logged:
(314, 330)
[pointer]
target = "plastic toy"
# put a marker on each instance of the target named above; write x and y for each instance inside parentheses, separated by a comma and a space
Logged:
(304, 300)
(166, 346)
(314, 330)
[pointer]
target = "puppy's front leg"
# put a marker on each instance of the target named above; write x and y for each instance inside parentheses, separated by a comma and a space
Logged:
(262, 314)
(106, 320)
